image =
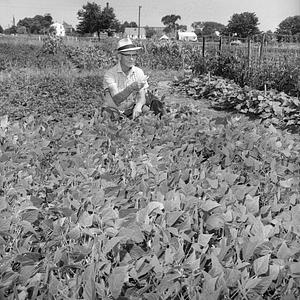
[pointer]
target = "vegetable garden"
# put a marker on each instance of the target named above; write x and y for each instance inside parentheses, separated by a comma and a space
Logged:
(186, 206)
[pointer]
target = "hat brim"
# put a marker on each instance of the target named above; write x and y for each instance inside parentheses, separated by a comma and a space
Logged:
(129, 49)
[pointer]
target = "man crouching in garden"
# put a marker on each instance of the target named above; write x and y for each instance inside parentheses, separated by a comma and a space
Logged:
(125, 85)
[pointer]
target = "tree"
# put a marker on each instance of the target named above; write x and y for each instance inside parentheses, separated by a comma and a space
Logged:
(270, 37)
(26, 22)
(126, 24)
(289, 26)
(21, 30)
(243, 25)
(89, 17)
(150, 32)
(116, 25)
(198, 27)
(1, 29)
(207, 28)
(38, 24)
(133, 24)
(11, 30)
(92, 19)
(170, 22)
(182, 27)
(107, 18)
(46, 21)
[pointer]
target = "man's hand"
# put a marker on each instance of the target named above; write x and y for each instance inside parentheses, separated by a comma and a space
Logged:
(138, 85)
(136, 113)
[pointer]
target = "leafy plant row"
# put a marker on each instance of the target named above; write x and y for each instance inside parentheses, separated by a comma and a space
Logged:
(278, 108)
(171, 208)
(51, 94)
(54, 54)
(21, 56)
(282, 74)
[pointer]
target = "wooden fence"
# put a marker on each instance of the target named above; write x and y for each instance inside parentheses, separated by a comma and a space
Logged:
(255, 51)
(36, 39)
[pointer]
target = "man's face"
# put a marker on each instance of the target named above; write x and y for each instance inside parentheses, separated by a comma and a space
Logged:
(128, 58)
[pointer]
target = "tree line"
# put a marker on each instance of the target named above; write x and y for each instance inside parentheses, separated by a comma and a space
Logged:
(95, 19)
(241, 25)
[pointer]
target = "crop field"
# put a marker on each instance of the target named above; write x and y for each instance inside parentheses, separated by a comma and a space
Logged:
(202, 203)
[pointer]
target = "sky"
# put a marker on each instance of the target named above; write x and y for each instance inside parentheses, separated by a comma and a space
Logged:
(269, 12)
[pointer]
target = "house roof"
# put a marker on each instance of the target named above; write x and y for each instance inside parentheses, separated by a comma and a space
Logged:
(66, 25)
(56, 24)
(187, 33)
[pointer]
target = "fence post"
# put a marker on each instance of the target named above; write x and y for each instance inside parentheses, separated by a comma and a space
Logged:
(203, 46)
(220, 44)
(249, 52)
(261, 48)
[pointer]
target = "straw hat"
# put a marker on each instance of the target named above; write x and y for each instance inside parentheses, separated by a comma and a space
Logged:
(126, 45)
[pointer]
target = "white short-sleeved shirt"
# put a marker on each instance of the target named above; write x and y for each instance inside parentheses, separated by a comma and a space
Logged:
(116, 80)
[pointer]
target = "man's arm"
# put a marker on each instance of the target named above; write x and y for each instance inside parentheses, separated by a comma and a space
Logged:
(110, 85)
(120, 96)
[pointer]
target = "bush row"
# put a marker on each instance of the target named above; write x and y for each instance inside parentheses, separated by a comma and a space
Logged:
(277, 108)
(22, 95)
(282, 74)
(170, 208)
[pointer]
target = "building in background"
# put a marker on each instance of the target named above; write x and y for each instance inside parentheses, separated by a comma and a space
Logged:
(187, 36)
(133, 32)
(101, 36)
(159, 31)
(58, 29)
(68, 28)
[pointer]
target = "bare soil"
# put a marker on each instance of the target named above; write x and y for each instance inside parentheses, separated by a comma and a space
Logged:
(174, 98)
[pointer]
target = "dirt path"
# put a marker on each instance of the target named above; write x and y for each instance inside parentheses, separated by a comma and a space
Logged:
(202, 105)
(173, 97)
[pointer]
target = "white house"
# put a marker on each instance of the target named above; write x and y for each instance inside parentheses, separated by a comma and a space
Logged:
(187, 36)
(59, 29)
(68, 28)
(133, 32)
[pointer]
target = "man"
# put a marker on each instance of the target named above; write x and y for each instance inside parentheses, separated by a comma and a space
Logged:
(125, 84)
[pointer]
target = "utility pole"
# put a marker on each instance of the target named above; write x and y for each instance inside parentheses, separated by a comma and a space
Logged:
(139, 28)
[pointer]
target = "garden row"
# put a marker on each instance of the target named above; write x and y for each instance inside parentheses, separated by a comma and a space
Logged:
(281, 110)
(171, 208)
(49, 94)
(281, 75)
